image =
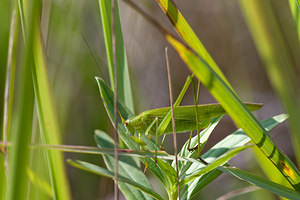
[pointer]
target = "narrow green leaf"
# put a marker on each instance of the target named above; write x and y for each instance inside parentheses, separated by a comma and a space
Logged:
(263, 183)
(19, 153)
(47, 117)
(235, 139)
(39, 182)
(170, 176)
(188, 35)
(295, 8)
(128, 167)
(110, 174)
(124, 85)
(9, 90)
(211, 166)
(238, 112)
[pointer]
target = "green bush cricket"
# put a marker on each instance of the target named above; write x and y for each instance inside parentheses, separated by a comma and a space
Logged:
(187, 118)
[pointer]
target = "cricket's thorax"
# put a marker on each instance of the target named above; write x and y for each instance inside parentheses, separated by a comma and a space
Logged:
(135, 123)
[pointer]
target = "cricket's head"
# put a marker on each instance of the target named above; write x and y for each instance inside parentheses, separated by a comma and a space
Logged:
(129, 126)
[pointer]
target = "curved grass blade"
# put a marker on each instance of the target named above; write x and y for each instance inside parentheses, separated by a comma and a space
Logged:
(104, 172)
(188, 35)
(238, 112)
(261, 182)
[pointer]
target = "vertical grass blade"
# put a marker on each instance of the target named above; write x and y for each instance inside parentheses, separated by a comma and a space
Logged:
(124, 86)
(19, 152)
(47, 117)
(4, 35)
(278, 61)
(9, 93)
(46, 113)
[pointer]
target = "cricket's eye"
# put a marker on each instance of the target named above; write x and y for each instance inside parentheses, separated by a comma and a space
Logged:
(126, 123)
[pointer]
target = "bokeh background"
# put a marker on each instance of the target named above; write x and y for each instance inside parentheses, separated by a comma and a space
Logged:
(76, 54)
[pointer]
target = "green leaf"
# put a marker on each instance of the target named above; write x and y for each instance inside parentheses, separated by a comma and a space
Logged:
(263, 183)
(124, 86)
(122, 180)
(47, 117)
(238, 112)
(295, 8)
(128, 167)
(8, 85)
(188, 35)
(170, 176)
(20, 138)
(211, 166)
(234, 140)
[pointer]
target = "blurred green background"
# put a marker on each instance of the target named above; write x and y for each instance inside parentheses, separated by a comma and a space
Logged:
(76, 54)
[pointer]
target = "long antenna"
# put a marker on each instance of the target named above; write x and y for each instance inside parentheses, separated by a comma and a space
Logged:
(173, 121)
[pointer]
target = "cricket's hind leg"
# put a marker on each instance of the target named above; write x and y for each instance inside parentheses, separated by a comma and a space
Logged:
(189, 144)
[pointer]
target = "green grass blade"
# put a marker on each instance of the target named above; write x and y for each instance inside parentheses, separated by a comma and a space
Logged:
(47, 117)
(234, 140)
(238, 112)
(269, 169)
(170, 177)
(19, 153)
(295, 8)
(128, 167)
(263, 183)
(9, 90)
(104, 172)
(40, 183)
(124, 86)
(278, 61)
(4, 35)
(188, 35)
